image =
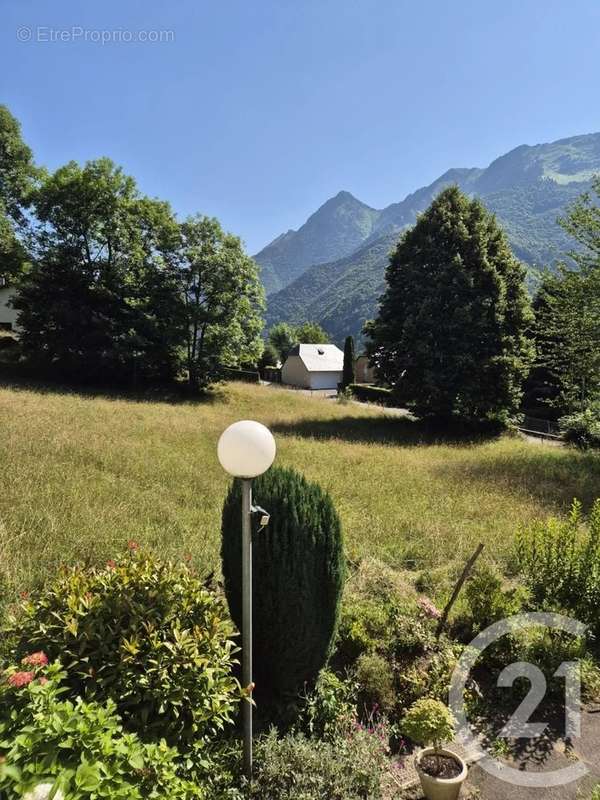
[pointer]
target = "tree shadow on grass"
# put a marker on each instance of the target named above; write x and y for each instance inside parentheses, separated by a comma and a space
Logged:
(405, 431)
(171, 394)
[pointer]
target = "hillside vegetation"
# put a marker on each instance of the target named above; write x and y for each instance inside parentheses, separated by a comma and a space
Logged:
(84, 474)
(527, 188)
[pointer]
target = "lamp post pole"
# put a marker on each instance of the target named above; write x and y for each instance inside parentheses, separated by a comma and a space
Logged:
(246, 450)
(247, 620)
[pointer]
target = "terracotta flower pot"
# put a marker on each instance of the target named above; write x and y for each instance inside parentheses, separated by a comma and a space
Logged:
(440, 788)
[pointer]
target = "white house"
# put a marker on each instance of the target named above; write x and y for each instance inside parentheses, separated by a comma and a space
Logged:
(313, 366)
(8, 315)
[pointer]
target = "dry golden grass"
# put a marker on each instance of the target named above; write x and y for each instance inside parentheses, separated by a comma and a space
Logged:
(83, 474)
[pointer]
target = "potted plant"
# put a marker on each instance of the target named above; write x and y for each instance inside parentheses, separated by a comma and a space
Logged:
(430, 723)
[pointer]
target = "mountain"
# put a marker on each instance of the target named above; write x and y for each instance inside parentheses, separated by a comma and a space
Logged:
(333, 231)
(527, 188)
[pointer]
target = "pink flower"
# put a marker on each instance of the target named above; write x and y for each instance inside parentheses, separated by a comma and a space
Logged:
(38, 659)
(111, 564)
(133, 545)
(428, 608)
(20, 679)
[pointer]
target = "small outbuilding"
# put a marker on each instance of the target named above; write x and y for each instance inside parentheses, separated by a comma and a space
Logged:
(313, 366)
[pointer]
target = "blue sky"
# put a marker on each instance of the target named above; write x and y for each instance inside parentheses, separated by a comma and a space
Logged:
(257, 112)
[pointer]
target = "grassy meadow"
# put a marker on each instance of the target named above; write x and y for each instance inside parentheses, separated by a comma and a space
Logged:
(83, 474)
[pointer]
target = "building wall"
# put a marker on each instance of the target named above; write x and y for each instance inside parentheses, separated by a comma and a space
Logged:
(8, 315)
(294, 373)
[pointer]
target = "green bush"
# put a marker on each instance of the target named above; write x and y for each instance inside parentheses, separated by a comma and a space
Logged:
(560, 563)
(298, 574)
(329, 707)
(78, 747)
(582, 428)
(144, 633)
(297, 768)
(375, 678)
(429, 723)
(488, 600)
(372, 394)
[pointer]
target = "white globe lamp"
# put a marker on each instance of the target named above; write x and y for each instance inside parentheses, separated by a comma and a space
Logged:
(246, 449)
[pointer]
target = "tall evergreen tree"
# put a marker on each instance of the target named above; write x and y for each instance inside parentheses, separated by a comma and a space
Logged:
(568, 310)
(452, 327)
(349, 373)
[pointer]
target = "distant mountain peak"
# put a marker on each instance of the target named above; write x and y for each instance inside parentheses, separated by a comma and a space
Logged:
(349, 242)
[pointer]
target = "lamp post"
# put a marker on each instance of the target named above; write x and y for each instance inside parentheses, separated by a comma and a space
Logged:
(246, 449)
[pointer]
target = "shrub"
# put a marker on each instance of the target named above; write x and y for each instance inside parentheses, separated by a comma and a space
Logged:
(375, 678)
(429, 723)
(298, 572)
(78, 747)
(488, 600)
(146, 634)
(582, 429)
(329, 707)
(296, 768)
(560, 563)
(372, 394)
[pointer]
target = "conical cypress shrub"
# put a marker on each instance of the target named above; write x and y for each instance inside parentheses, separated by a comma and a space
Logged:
(298, 575)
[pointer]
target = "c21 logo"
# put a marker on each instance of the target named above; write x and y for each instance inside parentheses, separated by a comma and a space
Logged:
(519, 725)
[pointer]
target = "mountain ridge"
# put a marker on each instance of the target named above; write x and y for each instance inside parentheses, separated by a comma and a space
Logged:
(527, 188)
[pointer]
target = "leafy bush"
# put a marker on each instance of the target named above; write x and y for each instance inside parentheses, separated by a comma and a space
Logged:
(429, 723)
(560, 563)
(144, 633)
(487, 600)
(329, 707)
(582, 428)
(372, 394)
(298, 569)
(78, 747)
(297, 768)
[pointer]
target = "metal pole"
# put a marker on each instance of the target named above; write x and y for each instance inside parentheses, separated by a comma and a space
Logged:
(247, 620)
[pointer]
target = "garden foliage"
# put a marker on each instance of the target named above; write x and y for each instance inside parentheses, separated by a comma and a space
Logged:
(298, 575)
(560, 563)
(78, 747)
(143, 633)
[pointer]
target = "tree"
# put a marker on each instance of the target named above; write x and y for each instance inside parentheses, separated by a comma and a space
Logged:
(349, 373)
(283, 337)
(452, 327)
(568, 310)
(269, 357)
(18, 177)
(299, 567)
(223, 300)
(101, 299)
(310, 333)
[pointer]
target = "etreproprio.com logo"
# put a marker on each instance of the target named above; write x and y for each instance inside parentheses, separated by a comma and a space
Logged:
(519, 726)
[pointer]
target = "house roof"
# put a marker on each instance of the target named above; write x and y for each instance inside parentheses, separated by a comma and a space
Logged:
(319, 357)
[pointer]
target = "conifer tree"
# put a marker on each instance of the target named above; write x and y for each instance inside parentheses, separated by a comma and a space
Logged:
(452, 332)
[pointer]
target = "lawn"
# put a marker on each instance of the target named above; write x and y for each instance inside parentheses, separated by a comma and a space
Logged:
(83, 474)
